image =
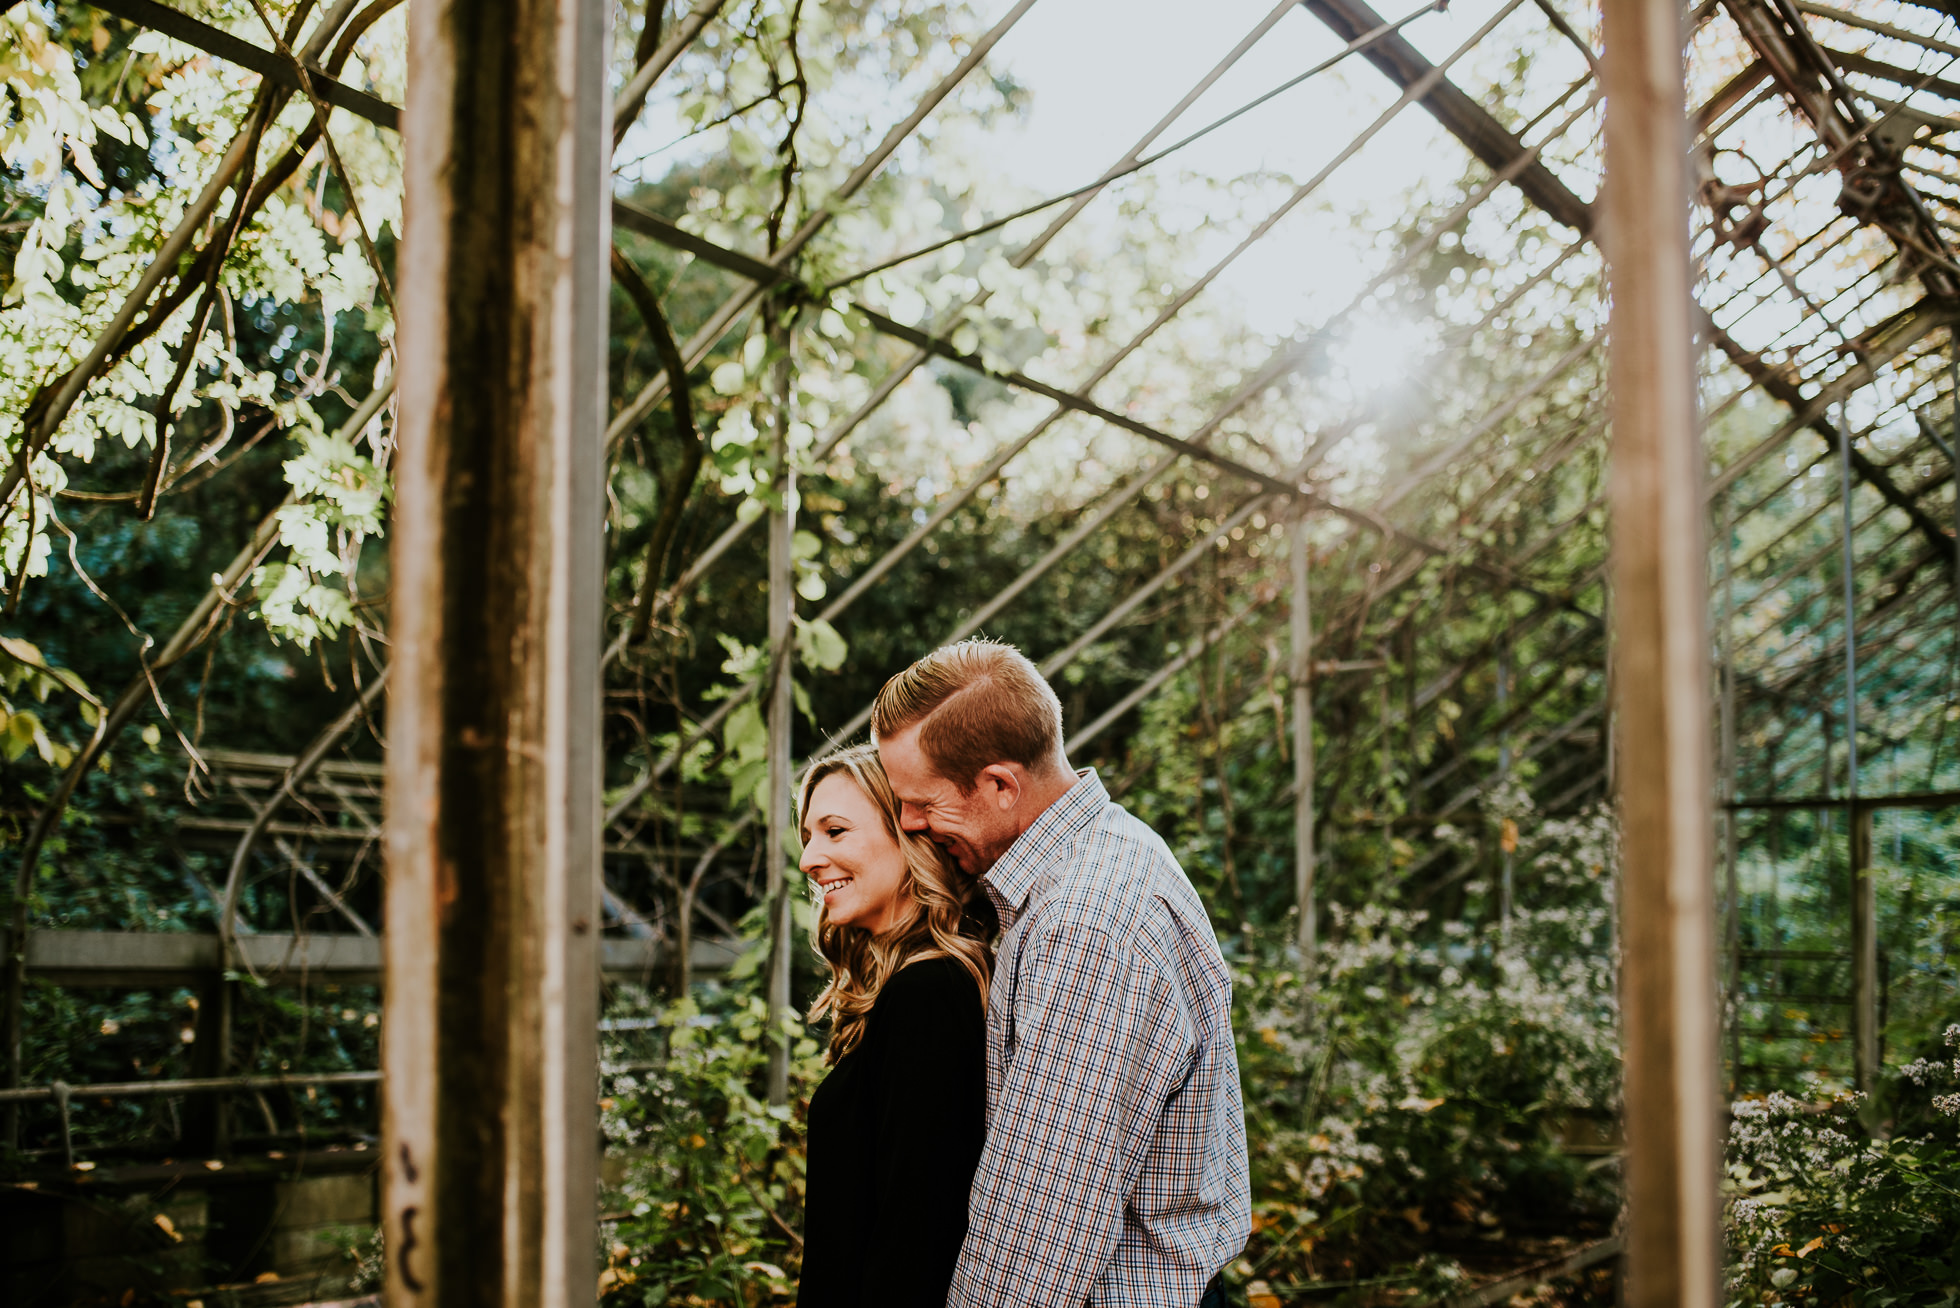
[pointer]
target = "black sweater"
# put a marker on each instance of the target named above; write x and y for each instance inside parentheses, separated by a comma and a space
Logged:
(895, 1134)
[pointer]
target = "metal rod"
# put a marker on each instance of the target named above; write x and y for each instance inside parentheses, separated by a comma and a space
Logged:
(1850, 570)
(185, 1085)
(1911, 799)
(491, 946)
(1301, 679)
(1667, 987)
(782, 636)
(1731, 883)
(1506, 887)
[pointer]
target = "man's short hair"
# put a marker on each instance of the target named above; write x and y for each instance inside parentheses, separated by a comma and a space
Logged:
(976, 703)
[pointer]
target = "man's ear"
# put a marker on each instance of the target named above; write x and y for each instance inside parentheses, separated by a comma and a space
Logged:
(1002, 781)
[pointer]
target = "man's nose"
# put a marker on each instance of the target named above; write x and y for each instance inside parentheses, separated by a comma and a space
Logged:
(911, 819)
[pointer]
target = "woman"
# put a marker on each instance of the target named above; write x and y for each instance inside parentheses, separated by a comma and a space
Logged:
(897, 1125)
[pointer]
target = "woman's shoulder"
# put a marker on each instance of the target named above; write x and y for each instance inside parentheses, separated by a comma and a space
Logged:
(929, 986)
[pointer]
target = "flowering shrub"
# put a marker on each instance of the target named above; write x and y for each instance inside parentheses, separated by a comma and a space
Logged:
(710, 1200)
(1819, 1212)
(1403, 1114)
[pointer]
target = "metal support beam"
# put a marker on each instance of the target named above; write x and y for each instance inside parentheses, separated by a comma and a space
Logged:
(493, 833)
(782, 639)
(1849, 568)
(1301, 678)
(1731, 852)
(266, 63)
(1508, 866)
(1468, 121)
(1667, 987)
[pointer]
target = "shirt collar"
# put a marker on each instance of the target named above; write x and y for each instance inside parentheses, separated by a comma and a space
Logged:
(1011, 880)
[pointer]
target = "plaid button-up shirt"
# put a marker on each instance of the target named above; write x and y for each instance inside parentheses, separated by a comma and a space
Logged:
(1115, 1166)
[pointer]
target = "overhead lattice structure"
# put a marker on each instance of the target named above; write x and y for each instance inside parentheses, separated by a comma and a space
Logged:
(1273, 533)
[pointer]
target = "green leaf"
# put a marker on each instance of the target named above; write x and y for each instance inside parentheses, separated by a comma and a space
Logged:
(747, 735)
(21, 730)
(820, 646)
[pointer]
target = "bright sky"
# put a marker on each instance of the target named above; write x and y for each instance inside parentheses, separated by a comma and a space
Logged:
(1098, 84)
(1100, 74)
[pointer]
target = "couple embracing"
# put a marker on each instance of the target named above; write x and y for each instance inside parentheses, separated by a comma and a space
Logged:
(1033, 1095)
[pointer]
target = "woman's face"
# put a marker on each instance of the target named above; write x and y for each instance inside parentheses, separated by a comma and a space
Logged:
(857, 866)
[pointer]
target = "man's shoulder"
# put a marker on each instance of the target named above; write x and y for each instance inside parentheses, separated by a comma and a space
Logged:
(1110, 875)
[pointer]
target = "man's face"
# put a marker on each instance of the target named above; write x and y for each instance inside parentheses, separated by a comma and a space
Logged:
(974, 829)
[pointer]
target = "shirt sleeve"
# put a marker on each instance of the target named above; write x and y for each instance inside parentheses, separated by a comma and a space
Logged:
(928, 1112)
(1097, 1040)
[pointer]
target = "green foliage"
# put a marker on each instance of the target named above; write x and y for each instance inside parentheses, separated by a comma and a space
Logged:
(1414, 1101)
(712, 1185)
(102, 190)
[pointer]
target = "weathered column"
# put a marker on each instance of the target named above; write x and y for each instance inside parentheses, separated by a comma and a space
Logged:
(782, 654)
(490, 1131)
(1864, 951)
(1301, 675)
(1667, 982)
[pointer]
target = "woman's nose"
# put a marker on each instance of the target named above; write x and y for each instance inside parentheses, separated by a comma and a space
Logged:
(810, 861)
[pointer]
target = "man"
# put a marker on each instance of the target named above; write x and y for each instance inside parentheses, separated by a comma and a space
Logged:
(1115, 1166)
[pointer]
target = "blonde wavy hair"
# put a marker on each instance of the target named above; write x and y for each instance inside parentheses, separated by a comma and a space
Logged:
(948, 914)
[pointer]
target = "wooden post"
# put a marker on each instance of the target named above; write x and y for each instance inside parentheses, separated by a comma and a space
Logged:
(491, 950)
(1660, 585)
(1301, 675)
(782, 639)
(1864, 952)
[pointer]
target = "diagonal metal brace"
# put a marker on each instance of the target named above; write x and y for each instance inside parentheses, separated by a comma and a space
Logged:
(212, 40)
